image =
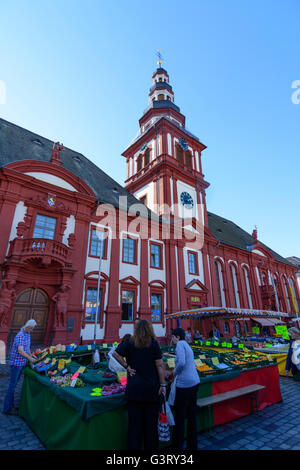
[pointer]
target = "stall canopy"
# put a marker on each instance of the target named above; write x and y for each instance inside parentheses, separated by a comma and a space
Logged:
(227, 313)
(268, 321)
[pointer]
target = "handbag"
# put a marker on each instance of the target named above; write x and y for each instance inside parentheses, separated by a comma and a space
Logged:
(163, 425)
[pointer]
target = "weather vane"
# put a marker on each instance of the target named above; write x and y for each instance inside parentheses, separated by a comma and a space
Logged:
(159, 56)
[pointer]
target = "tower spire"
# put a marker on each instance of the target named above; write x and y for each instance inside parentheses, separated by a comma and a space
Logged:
(160, 59)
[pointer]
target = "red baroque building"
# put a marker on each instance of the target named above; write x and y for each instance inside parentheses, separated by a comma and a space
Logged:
(162, 250)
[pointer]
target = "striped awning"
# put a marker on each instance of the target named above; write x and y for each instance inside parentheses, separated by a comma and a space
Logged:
(226, 313)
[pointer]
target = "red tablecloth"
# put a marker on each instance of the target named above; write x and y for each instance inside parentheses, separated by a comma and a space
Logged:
(241, 406)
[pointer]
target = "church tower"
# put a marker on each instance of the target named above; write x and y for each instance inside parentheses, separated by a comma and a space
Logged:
(164, 161)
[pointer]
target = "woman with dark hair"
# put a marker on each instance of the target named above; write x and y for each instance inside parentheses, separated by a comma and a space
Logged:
(187, 383)
(145, 383)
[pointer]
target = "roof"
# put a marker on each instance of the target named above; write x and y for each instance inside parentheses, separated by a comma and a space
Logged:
(294, 260)
(229, 233)
(17, 144)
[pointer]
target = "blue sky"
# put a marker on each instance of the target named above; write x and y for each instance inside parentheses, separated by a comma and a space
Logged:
(80, 72)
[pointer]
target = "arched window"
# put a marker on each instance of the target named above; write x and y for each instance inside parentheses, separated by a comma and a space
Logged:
(234, 284)
(226, 327)
(276, 288)
(286, 291)
(294, 298)
(237, 328)
(263, 277)
(161, 97)
(247, 286)
(220, 284)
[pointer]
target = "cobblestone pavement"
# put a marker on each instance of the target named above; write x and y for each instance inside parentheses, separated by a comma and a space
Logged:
(277, 427)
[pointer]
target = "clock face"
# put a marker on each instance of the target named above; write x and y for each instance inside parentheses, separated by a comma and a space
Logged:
(186, 200)
(183, 144)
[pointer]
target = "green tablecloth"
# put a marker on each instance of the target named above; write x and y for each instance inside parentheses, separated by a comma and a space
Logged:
(77, 421)
(60, 427)
(79, 398)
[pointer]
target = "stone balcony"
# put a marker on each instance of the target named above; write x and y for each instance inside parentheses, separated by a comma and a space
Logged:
(41, 249)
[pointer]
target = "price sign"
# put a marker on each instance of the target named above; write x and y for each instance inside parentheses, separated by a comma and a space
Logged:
(104, 345)
(73, 383)
(207, 343)
(216, 343)
(81, 369)
(196, 342)
(202, 356)
(198, 363)
(61, 364)
(269, 357)
(224, 345)
(241, 346)
(229, 345)
(171, 363)
(89, 347)
(215, 361)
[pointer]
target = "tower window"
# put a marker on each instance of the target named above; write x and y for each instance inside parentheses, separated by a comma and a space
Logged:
(188, 159)
(161, 97)
(147, 157)
(179, 154)
(140, 163)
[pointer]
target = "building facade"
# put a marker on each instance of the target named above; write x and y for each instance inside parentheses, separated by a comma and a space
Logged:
(156, 246)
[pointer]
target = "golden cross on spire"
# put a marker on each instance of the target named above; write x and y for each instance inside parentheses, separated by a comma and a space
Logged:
(159, 56)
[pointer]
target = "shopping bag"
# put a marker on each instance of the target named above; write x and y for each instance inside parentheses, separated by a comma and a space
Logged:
(169, 414)
(171, 398)
(163, 425)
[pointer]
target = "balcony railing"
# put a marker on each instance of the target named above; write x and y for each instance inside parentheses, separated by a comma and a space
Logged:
(24, 248)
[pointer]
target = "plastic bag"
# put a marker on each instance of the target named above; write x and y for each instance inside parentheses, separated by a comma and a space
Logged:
(169, 414)
(171, 398)
(163, 425)
(113, 364)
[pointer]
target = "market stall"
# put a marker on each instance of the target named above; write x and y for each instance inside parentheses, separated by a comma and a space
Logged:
(70, 402)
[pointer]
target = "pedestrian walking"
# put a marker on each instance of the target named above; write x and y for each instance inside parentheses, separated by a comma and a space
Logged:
(20, 354)
(187, 383)
(145, 383)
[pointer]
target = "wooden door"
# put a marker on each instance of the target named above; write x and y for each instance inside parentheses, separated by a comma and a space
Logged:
(31, 303)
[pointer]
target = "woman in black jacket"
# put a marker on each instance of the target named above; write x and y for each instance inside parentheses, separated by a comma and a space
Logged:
(145, 383)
